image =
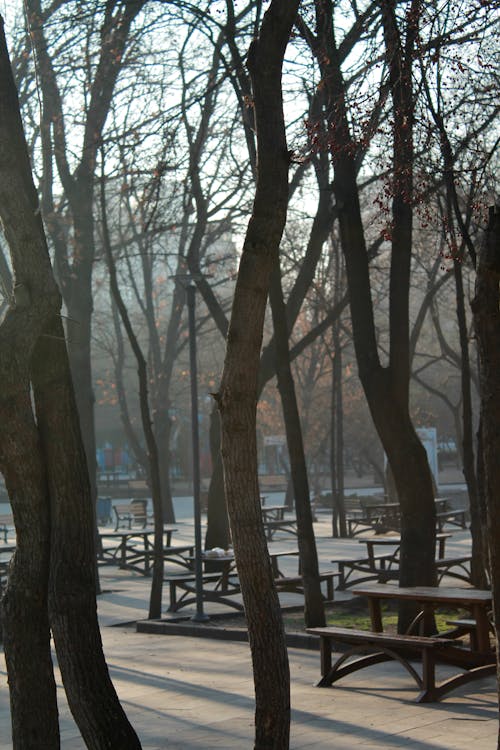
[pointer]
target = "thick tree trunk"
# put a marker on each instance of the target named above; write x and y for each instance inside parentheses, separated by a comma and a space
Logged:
(487, 327)
(314, 611)
(34, 298)
(51, 496)
(72, 606)
(34, 713)
(237, 398)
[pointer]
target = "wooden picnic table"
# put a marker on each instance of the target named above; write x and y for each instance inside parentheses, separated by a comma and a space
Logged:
(395, 540)
(223, 585)
(477, 601)
(134, 549)
(273, 512)
(273, 518)
(228, 563)
(385, 566)
(476, 661)
(457, 567)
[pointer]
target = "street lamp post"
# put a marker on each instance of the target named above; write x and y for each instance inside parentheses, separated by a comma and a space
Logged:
(200, 616)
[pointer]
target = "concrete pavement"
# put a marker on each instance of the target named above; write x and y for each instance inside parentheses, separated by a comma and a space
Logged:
(193, 693)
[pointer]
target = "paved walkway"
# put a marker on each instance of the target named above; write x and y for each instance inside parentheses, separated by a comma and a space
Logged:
(197, 693)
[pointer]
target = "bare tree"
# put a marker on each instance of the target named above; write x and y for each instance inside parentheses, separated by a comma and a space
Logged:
(74, 254)
(487, 327)
(51, 586)
(237, 395)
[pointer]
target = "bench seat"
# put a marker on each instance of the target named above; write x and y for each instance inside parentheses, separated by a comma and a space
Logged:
(288, 525)
(294, 584)
(454, 517)
(364, 565)
(368, 648)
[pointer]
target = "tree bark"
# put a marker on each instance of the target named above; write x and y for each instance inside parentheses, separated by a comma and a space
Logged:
(487, 327)
(237, 397)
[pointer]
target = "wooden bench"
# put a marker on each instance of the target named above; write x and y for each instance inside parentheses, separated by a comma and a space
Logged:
(384, 568)
(179, 555)
(131, 513)
(187, 584)
(466, 626)
(288, 525)
(376, 515)
(6, 524)
(276, 483)
(455, 567)
(378, 647)
(454, 517)
(294, 584)
(365, 566)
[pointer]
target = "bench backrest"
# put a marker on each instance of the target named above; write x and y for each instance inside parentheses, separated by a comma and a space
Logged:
(138, 508)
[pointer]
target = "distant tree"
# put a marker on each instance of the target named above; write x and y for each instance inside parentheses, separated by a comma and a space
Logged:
(153, 465)
(69, 218)
(386, 387)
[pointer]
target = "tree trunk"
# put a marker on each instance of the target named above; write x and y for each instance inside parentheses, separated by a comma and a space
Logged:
(51, 496)
(72, 606)
(339, 522)
(237, 397)
(487, 328)
(386, 388)
(75, 275)
(218, 532)
(33, 703)
(314, 611)
(162, 430)
(146, 421)
(479, 558)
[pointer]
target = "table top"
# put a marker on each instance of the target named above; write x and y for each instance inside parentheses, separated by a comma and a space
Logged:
(387, 506)
(265, 508)
(396, 539)
(230, 558)
(438, 594)
(147, 530)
